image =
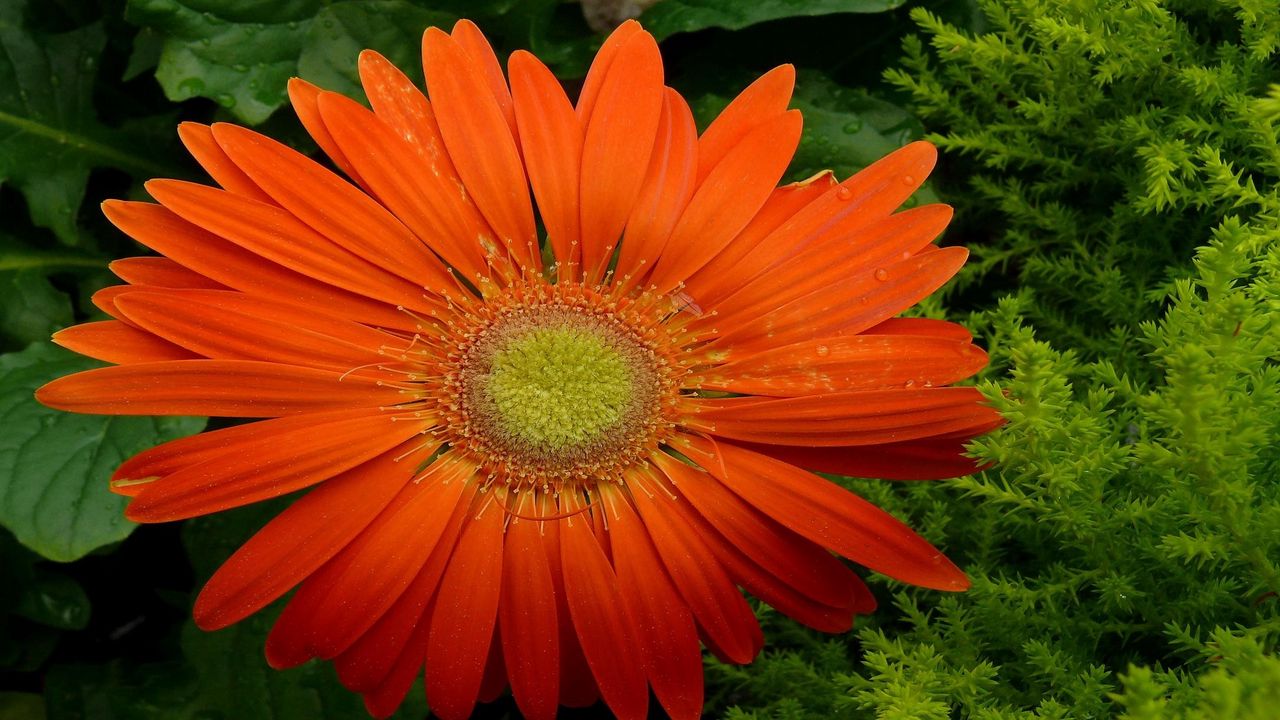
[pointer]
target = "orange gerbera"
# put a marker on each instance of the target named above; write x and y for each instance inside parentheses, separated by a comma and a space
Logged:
(548, 464)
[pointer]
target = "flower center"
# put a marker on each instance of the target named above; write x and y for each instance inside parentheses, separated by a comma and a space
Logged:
(563, 387)
(558, 387)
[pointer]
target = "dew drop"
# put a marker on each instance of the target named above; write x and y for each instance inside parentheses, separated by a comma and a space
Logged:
(226, 101)
(853, 126)
(908, 179)
(909, 384)
(882, 274)
(240, 67)
(190, 87)
(823, 350)
(844, 193)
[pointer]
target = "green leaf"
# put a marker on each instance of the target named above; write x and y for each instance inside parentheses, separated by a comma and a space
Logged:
(339, 32)
(50, 137)
(54, 466)
(21, 706)
(676, 16)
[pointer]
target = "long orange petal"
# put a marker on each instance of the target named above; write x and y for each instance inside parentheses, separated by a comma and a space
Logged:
(600, 66)
(116, 342)
(828, 515)
(420, 198)
(665, 193)
(602, 625)
(934, 458)
(870, 417)
(465, 615)
(841, 364)
(480, 143)
(851, 307)
(332, 207)
(160, 272)
(266, 467)
(725, 272)
(722, 613)
(927, 327)
(301, 539)
(619, 139)
(234, 326)
(303, 96)
(551, 137)
(760, 102)
(198, 139)
(577, 686)
(470, 39)
(527, 617)
(230, 265)
(728, 198)
(665, 630)
(223, 388)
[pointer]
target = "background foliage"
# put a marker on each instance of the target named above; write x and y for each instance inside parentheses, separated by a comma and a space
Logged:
(1116, 173)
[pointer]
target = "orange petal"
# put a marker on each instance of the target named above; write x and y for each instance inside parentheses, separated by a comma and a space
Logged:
(419, 197)
(332, 206)
(226, 263)
(600, 67)
(233, 326)
(722, 613)
(479, 141)
(667, 188)
(932, 458)
(551, 137)
(402, 107)
(115, 342)
(268, 466)
(577, 686)
(862, 200)
(828, 515)
(921, 326)
(223, 388)
(761, 102)
(831, 264)
(602, 625)
(841, 364)
(620, 133)
(725, 272)
(400, 636)
(526, 616)
(303, 96)
(850, 307)
(664, 625)
(494, 681)
(301, 539)
(160, 272)
(275, 234)
(870, 417)
(794, 560)
(728, 198)
(470, 39)
(199, 141)
(465, 615)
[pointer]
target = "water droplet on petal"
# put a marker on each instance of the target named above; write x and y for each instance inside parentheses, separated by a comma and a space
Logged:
(844, 193)
(823, 350)
(882, 274)
(908, 179)
(909, 384)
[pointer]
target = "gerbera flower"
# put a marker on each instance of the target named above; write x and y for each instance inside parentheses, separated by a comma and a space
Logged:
(547, 449)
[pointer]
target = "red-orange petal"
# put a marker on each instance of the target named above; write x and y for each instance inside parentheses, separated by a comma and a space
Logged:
(619, 138)
(301, 539)
(223, 388)
(528, 621)
(577, 686)
(760, 102)
(470, 39)
(465, 615)
(160, 272)
(828, 515)
(869, 417)
(116, 342)
(479, 141)
(271, 465)
(602, 625)
(933, 458)
(551, 137)
(727, 199)
(303, 96)
(198, 139)
(600, 65)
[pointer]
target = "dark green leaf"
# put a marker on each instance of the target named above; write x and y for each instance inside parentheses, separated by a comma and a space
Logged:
(50, 137)
(55, 600)
(54, 466)
(21, 706)
(676, 16)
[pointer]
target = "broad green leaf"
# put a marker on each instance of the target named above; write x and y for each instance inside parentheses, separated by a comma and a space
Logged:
(339, 32)
(669, 17)
(33, 308)
(50, 137)
(21, 706)
(54, 466)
